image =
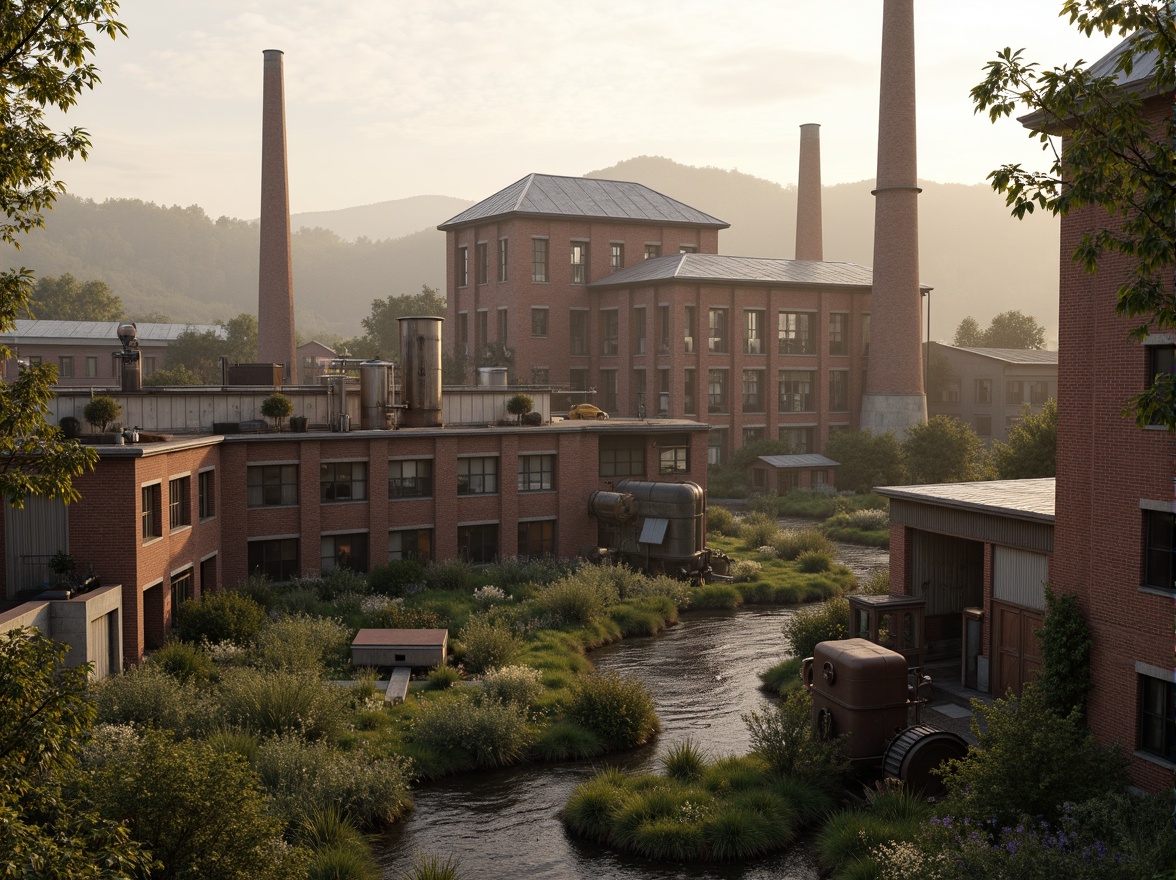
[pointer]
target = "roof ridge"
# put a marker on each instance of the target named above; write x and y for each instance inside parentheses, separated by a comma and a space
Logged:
(530, 179)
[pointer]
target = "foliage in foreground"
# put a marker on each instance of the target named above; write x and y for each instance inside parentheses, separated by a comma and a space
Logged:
(618, 710)
(785, 738)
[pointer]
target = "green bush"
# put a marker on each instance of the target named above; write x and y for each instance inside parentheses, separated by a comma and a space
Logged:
(758, 530)
(518, 685)
(618, 710)
(812, 561)
(338, 582)
(257, 587)
(429, 867)
(791, 543)
(828, 622)
(449, 574)
(277, 407)
(684, 762)
(148, 696)
(719, 519)
(877, 582)
(487, 644)
(303, 643)
(782, 677)
(343, 861)
(715, 596)
(299, 597)
(473, 734)
(273, 703)
(443, 677)
(580, 597)
(101, 411)
(301, 777)
(1064, 640)
(737, 834)
(392, 578)
(786, 739)
(746, 570)
(513, 570)
(184, 662)
(220, 617)
(566, 741)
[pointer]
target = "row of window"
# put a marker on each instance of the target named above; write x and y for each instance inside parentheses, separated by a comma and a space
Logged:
(796, 332)
(278, 558)
(67, 370)
(1017, 391)
(179, 503)
(540, 250)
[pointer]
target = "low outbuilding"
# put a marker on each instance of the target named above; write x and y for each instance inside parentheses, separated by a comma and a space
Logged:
(399, 647)
(783, 473)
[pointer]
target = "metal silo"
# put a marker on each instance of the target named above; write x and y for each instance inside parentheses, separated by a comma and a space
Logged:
(375, 394)
(420, 365)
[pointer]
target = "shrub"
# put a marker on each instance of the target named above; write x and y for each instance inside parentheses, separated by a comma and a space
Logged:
(684, 762)
(184, 662)
(519, 685)
(101, 411)
(392, 578)
(449, 574)
(1065, 643)
(737, 834)
(147, 695)
(280, 702)
(792, 542)
(257, 587)
(812, 561)
(488, 595)
(512, 570)
(719, 519)
(277, 407)
(590, 809)
(443, 678)
(343, 861)
(301, 777)
(746, 570)
(580, 597)
(487, 644)
(220, 617)
(877, 582)
(519, 405)
(785, 738)
(678, 592)
(303, 643)
(339, 581)
(758, 529)
(716, 596)
(828, 622)
(782, 677)
(489, 734)
(619, 710)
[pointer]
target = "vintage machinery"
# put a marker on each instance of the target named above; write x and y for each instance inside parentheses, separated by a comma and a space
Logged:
(868, 692)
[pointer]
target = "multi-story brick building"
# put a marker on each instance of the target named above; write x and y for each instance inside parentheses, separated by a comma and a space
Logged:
(609, 286)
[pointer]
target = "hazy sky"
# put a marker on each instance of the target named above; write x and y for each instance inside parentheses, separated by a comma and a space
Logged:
(393, 98)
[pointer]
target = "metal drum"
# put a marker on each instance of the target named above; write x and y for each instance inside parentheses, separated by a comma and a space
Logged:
(420, 363)
(917, 752)
(375, 394)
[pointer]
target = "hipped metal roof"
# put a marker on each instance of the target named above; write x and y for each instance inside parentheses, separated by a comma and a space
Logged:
(100, 331)
(584, 198)
(1024, 499)
(1020, 356)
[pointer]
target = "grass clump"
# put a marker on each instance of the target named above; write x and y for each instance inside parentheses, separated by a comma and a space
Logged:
(452, 575)
(684, 762)
(757, 530)
(431, 867)
(814, 560)
(391, 579)
(791, 543)
(184, 662)
(469, 733)
(782, 678)
(720, 520)
(303, 642)
(517, 685)
(442, 678)
(487, 644)
(716, 596)
(220, 617)
(618, 710)
(277, 702)
(149, 697)
(567, 741)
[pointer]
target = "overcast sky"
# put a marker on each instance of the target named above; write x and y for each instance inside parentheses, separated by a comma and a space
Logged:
(393, 98)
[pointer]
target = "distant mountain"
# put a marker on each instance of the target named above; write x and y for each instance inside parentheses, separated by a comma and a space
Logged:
(180, 262)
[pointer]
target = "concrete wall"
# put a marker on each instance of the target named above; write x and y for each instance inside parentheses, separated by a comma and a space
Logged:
(78, 623)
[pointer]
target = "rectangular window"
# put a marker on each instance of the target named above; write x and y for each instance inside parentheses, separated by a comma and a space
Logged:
(691, 319)
(277, 559)
(539, 260)
(343, 551)
(663, 320)
(481, 330)
(839, 391)
(753, 332)
(1160, 560)
(639, 331)
(579, 331)
(984, 391)
(477, 476)
(949, 392)
(689, 398)
(503, 325)
(753, 390)
(794, 333)
(717, 331)
(622, 457)
(984, 426)
(1014, 392)
(483, 262)
(463, 333)
(616, 258)
(34, 360)
(1157, 717)
(838, 333)
(343, 481)
(1038, 392)
(410, 479)
(608, 332)
(796, 391)
(799, 439)
(579, 262)
(463, 266)
(91, 367)
(674, 455)
(206, 489)
(478, 544)
(716, 447)
(179, 502)
(1161, 361)
(639, 392)
(271, 485)
(537, 538)
(502, 259)
(865, 335)
(536, 473)
(663, 391)
(688, 249)
(65, 370)
(716, 391)
(652, 251)
(539, 321)
(578, 379)
(182, 590)
(608, 390)
(208, 579)
(751, 435)
(410, 544)
(152, 512)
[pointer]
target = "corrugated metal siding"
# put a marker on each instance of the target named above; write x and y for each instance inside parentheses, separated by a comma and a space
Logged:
(987, 528)
(948, 572)
(31, 536)
(1019, 577)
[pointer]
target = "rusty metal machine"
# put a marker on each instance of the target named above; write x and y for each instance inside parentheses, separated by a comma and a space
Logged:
(868, 693)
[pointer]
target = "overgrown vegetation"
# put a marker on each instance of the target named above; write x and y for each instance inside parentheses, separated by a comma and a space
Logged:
(1065, 643)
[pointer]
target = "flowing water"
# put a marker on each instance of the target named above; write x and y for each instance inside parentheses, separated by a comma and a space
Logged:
(703, 676)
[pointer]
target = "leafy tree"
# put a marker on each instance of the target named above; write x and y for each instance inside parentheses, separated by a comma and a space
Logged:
(45, 49)
(944, 450)
(199, 352)
(168, 377)
(454, 368)
(1117, 161)
(939, 374)
(67, 299)
(101, 411)
(867, 459)
(241, 338)
(382, 330)
(46, 830)
(969, 334)
(1032, 449)
(520, 405)
(1010, 329)
(277, 407)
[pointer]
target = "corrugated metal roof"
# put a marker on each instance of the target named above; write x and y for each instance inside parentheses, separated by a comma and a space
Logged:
(1143, 67)
(583, 197)
(1013, 355)
(101, 331)
(741, 270)
(1028, 499)
(800, 460)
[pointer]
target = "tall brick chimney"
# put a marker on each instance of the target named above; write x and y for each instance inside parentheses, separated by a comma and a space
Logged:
(894, 399)
(809, 239)
(275, 299)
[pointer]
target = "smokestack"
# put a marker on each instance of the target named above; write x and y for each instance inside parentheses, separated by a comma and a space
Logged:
(809, 239)
(275, 299)
(894, 399)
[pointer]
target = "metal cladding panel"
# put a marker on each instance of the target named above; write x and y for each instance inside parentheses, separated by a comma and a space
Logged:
(974, 525)
(31, 536)
(1019, 577)
(948, 572)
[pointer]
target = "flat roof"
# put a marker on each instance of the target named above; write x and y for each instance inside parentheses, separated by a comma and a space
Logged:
(1010, 355)
(1023, 499)
(387, 638)
(810, 459)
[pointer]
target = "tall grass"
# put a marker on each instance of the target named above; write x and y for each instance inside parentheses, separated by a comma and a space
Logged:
(470, 733)
(277, 702)
(618, 710)
(487, 644)
(301, 642)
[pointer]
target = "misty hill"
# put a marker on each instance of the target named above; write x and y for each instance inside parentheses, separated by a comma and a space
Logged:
(180, 262)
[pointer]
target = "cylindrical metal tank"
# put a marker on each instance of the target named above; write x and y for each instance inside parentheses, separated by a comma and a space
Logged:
(132, 371)
(375, 394)
(669, 533)
(420, 362)
(612, 507)
(491, 377)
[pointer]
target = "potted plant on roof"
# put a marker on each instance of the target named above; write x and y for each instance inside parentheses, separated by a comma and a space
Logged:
(62, 565)
(519, 405)
(277, 407)
(101, 411)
